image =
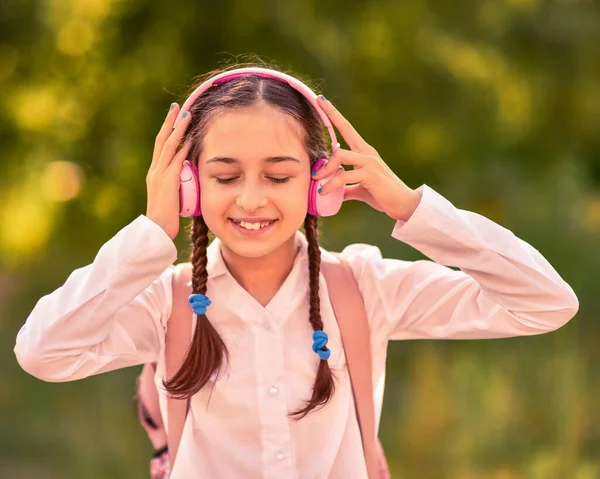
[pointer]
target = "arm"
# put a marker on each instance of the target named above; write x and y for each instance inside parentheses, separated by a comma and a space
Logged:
(504, 288)
(149, 407)
(108, 315)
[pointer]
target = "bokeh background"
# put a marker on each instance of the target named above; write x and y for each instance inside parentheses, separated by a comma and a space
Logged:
(493, 103)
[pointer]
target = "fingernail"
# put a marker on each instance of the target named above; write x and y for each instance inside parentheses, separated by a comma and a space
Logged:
(185, 113)
(314, 172)
(172, 106)
(320, 189)
(322, 97)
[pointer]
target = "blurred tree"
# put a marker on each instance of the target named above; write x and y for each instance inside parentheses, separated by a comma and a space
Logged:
(495, 104)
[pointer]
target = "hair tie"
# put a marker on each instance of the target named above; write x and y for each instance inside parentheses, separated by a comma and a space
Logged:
(199, 302)
(320, 340)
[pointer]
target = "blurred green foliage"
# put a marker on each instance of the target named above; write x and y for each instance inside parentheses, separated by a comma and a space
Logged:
(495, 104)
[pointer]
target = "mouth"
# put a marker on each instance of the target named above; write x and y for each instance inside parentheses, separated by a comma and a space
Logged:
(252, 229)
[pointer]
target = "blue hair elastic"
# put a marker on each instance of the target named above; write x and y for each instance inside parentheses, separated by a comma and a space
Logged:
(199, 302)
(320, 340)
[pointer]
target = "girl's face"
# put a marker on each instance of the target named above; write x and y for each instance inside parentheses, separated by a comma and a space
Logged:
(254, 164)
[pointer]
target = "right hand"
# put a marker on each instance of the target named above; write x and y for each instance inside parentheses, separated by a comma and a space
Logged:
(162, 179)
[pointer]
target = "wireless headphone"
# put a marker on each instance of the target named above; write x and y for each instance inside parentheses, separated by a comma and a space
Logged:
(318, 205)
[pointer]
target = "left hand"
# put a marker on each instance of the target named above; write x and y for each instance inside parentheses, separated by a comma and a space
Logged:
(377, 185)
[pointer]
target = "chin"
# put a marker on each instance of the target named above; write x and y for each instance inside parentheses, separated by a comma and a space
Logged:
(257, 246)
(252, 248)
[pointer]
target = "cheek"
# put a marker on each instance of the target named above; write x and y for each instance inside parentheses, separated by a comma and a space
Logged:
(214, 203)
(295, 203)
(296, 197)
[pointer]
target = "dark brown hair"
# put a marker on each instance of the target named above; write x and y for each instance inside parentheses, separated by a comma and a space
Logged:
(208, 349)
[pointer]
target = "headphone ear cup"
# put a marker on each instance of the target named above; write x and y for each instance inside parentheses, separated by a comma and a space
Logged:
(324, 205)
(189, 190)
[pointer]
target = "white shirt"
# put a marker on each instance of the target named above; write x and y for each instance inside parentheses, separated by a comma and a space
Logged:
(112, 314)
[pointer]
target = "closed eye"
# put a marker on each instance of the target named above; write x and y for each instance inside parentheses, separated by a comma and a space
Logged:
(225, 181)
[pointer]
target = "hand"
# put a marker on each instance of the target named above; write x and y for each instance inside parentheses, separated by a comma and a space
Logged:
(377, 185)
(162, 180)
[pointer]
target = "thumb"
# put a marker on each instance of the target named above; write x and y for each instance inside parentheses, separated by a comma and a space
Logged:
(360, 193)
(354, 192)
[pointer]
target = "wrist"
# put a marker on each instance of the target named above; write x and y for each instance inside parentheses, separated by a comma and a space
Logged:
(409, 206)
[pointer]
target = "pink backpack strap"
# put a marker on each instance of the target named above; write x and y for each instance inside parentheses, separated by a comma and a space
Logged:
(351, 316)
(177, 341)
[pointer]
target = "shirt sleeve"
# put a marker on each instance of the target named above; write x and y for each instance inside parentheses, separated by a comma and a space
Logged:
(504, 287)
(108, 315)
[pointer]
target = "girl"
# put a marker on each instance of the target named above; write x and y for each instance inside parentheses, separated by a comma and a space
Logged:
(263, 402)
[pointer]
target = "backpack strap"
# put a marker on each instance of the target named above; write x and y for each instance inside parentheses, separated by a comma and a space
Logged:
(351, 316)
(178, 335)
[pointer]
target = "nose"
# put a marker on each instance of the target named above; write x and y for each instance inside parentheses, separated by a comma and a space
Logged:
(252, 197)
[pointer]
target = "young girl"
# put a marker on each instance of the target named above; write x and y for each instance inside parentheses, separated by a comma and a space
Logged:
(266, 370)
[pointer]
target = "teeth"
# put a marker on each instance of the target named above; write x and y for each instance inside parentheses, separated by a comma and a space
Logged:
(252, 226)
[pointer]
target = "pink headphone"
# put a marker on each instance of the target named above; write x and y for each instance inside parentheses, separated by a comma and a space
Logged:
(318, 205)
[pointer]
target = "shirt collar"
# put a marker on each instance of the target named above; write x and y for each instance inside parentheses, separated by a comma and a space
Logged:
(215, 265)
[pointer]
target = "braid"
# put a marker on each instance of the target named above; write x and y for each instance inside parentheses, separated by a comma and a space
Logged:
(324, 385)
(207, 349)
(198, 255)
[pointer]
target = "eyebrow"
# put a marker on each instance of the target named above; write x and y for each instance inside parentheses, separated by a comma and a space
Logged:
(270, 159)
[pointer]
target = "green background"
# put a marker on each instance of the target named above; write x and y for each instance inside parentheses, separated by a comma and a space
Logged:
(494, 104)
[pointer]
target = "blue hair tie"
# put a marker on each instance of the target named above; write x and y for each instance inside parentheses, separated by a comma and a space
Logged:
(199, 302)
(320, 340)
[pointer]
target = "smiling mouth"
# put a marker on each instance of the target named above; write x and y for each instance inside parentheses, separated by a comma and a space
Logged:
(252, 226)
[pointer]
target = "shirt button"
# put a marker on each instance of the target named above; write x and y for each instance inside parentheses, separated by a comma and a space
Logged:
(279, 456)
(273, 391)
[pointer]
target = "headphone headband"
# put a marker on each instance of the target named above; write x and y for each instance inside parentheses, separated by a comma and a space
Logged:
(266, 73)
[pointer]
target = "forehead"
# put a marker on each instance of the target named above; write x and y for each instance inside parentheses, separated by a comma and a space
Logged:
(254, 131)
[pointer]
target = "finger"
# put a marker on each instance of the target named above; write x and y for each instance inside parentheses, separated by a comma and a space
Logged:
(352, 192)
(360, 193)
(341, 157)
(164, 132)
(170, 146)
(350, 135)
(355, 192)
(181, 155)
(342, 178)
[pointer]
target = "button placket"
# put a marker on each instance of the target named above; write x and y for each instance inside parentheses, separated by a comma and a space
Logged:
(274, 409)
